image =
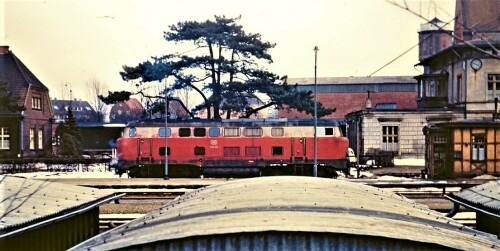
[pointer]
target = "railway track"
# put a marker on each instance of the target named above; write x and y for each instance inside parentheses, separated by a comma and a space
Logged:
(150, 199)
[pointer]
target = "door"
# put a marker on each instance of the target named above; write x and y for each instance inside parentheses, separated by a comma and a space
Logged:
(144, 150)
(298, 149)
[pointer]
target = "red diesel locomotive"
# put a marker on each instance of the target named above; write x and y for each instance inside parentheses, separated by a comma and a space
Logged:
(229, 148)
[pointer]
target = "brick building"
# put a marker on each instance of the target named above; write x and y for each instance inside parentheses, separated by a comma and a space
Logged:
(25, 133)
(126, 111)
(349, 94)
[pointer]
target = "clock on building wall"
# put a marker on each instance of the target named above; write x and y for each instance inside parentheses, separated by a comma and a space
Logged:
(476, 64)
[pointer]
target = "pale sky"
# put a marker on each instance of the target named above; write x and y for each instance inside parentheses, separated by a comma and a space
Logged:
(74, 41)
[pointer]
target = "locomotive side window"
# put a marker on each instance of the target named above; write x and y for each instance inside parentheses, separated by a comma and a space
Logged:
(164, 133)
(184, 132)
(328, 131)
(252, 151)
(231, 132)
(214, 132)
(277, 150)
(162, 151)
(252, 132)
(277, 132)
(231, 151)
(132, 132)
(200, 132)
(199, 150)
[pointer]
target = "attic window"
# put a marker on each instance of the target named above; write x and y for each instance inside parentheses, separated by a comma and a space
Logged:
(385, 106)
(36, 103)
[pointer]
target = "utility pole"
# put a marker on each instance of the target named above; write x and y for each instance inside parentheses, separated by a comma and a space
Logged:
(165, 174)
(315, 166)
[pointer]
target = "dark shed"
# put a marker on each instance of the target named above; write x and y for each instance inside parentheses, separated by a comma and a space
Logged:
(45, 215)
(485, 201)
(298, 213)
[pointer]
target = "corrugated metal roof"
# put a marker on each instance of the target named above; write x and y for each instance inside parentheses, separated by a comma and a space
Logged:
(355, 80)
(486, 195)
(23, 201)
(291, 204)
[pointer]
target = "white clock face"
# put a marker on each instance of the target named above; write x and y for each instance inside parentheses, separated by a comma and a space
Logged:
(476, 64)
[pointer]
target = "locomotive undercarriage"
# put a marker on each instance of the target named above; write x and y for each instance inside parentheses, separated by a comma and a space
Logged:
(232, 169)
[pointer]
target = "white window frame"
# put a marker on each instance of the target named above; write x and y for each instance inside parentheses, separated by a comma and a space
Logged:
(493, 87)
(40, 138)
(4, 138)
(36, 103)
(32, 138)
(393, 142)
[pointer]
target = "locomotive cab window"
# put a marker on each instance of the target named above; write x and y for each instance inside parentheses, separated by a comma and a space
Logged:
(162, 151)
(132, 132)
(164, 133)
(231, 132)
(277, 132)
(200, 132)
(329, 131)
(252, 132)
(184, 132)
(214, 132)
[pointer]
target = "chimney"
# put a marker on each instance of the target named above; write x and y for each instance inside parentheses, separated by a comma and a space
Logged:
(4, 49)
(368, 104)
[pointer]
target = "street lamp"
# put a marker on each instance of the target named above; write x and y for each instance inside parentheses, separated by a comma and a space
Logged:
(315, 166)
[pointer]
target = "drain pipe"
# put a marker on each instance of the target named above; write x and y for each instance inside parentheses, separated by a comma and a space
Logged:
(454, 210)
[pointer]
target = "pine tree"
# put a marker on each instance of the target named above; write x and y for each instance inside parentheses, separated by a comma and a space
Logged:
(70, 137)
(225, 63)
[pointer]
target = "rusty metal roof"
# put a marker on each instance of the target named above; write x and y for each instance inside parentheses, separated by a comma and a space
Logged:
(291, 204)
(485, 196)
(27, 201)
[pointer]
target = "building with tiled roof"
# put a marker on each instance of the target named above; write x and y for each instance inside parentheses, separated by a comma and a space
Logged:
(83, 112)
(126, 111)
(24, 133)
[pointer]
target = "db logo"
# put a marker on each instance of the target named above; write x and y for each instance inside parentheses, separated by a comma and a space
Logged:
(213, 142)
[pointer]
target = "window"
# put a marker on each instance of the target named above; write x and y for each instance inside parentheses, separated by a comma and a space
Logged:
(164, 133)
(199, 150)
(4, 138)
(459, 89)
(231, 151)
(478, 146)
(493, 86)
(252, 132)
(32, 138)
(329, 131)
(40, 138)
(277, 150)
(390, 138)
(36, 103)
(200, 132)
(184, 132)
(214, 132)
(385, 106)
(132, 132)
(252, 151)
(162, 151)
(231, 132)
(277, 132)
